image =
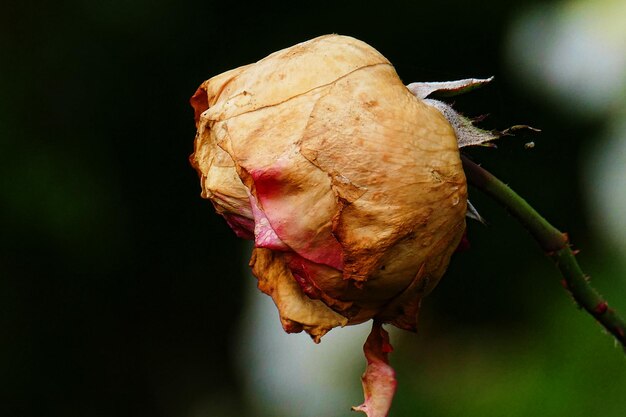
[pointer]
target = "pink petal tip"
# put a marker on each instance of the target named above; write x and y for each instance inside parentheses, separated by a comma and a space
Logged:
(379, 382)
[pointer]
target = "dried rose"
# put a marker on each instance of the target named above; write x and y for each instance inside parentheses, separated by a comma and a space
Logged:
(349, 182)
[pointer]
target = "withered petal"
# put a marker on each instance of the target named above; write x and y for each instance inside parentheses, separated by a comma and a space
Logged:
(297, 311)
(371, 135)
(262, 145)
(379, 379)
(339, 163)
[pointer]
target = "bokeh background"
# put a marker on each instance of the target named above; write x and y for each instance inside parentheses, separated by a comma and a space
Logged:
(123, 294)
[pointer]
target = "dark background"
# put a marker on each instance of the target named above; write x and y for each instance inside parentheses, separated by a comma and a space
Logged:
(120, 288)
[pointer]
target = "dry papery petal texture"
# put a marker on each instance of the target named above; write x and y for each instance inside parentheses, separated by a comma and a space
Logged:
(379, 379)
(350, 185)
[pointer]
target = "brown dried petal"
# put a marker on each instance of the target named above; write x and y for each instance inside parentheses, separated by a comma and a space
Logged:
(262, 143)
(297, 311)
(371, 134)
(289, 73)
(342, 165)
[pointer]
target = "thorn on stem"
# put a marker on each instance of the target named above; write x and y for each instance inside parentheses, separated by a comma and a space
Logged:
(601, 308)
(566, 237)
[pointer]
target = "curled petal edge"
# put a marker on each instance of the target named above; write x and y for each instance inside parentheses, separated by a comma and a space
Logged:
(297, 311)
(379, 379)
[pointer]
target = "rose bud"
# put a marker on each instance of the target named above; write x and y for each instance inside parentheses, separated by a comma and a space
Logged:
(349, 182)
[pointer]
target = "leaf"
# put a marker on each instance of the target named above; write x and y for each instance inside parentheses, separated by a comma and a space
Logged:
(466, 133)
(446, 88)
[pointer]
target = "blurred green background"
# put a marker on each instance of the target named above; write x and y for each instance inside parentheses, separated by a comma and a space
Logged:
(123, 294)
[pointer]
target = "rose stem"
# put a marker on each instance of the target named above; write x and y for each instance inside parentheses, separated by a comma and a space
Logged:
(553, 242)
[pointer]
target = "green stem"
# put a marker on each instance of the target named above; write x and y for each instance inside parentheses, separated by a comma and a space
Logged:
(554, 243)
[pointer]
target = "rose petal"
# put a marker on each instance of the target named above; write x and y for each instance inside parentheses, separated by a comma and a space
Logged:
(297, 311)
(262, 144)
(379, 382)
(264, 235)
(402, 310)
(283, 190)
(218, 175)
(404, 154)
(242, 226)
(209, 92)
(291, 72)
(259, 128)
(321, 282)
(348, 170)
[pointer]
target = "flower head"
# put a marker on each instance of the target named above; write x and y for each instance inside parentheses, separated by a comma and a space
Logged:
(349, 182)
